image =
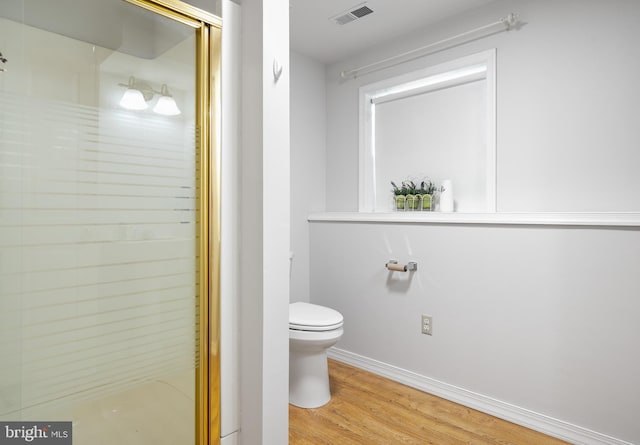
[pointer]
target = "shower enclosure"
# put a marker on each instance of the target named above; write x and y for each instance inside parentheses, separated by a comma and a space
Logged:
(109, 220)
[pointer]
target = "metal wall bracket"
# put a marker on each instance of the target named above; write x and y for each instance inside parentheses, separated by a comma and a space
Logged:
(393, 265)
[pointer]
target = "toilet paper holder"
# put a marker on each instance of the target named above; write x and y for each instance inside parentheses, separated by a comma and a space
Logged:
(393, 265)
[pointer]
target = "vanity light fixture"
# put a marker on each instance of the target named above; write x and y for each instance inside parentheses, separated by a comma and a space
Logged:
(138, 93)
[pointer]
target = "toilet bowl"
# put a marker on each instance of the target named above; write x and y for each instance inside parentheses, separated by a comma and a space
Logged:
(312, 330)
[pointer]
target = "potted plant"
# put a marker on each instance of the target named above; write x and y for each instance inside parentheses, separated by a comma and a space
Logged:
(426, 191)
(413, 197)
(399, 196)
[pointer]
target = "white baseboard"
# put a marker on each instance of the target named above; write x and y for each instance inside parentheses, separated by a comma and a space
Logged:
(538, 422)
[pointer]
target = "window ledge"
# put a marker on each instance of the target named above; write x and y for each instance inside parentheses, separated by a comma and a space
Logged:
(629, 219)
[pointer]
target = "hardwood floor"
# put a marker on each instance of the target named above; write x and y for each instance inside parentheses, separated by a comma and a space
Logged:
(371, 410)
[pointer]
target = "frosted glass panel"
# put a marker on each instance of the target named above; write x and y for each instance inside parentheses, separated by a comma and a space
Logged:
(436, 124)
(439, 135)
(98, 220)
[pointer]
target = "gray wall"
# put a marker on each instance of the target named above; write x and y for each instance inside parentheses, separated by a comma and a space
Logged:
(541, 317)
(308, 162)
(567, 105)
(544, 318)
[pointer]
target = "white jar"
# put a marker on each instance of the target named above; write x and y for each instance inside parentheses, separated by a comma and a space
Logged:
(446, 196)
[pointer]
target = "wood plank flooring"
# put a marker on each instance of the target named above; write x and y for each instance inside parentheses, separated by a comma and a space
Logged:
(371, 410)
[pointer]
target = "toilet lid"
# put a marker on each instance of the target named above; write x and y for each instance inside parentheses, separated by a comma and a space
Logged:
(311, 317)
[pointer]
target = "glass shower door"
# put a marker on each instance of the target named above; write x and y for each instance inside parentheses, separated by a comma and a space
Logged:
(99, 221)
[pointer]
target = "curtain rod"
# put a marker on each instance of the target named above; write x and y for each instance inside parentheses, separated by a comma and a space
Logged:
(506, 23)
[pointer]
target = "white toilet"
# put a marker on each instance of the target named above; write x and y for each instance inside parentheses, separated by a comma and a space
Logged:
(312, 330)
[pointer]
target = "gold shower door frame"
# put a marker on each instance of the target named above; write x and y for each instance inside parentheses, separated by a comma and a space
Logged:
(208, 29)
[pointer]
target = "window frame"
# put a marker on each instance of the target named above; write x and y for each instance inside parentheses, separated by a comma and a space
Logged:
(479, 66)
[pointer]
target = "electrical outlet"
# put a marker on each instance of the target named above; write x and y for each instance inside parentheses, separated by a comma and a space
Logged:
(427, 324)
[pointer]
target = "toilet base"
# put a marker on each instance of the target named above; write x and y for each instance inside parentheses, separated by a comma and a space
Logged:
(308, 379)
(308, 370)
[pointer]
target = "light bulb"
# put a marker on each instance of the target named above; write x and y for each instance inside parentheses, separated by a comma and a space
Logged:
(132, 99)
(166, 105)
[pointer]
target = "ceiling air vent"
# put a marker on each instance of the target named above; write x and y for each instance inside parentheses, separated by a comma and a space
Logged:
(351, 14)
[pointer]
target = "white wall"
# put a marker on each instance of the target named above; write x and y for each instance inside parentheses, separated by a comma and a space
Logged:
(265, 224)
(308, 138)
(544, 318)
(230, 210)
(567, 98)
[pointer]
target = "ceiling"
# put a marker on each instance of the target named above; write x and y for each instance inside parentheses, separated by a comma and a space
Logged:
(111, 24)
(315, 35)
